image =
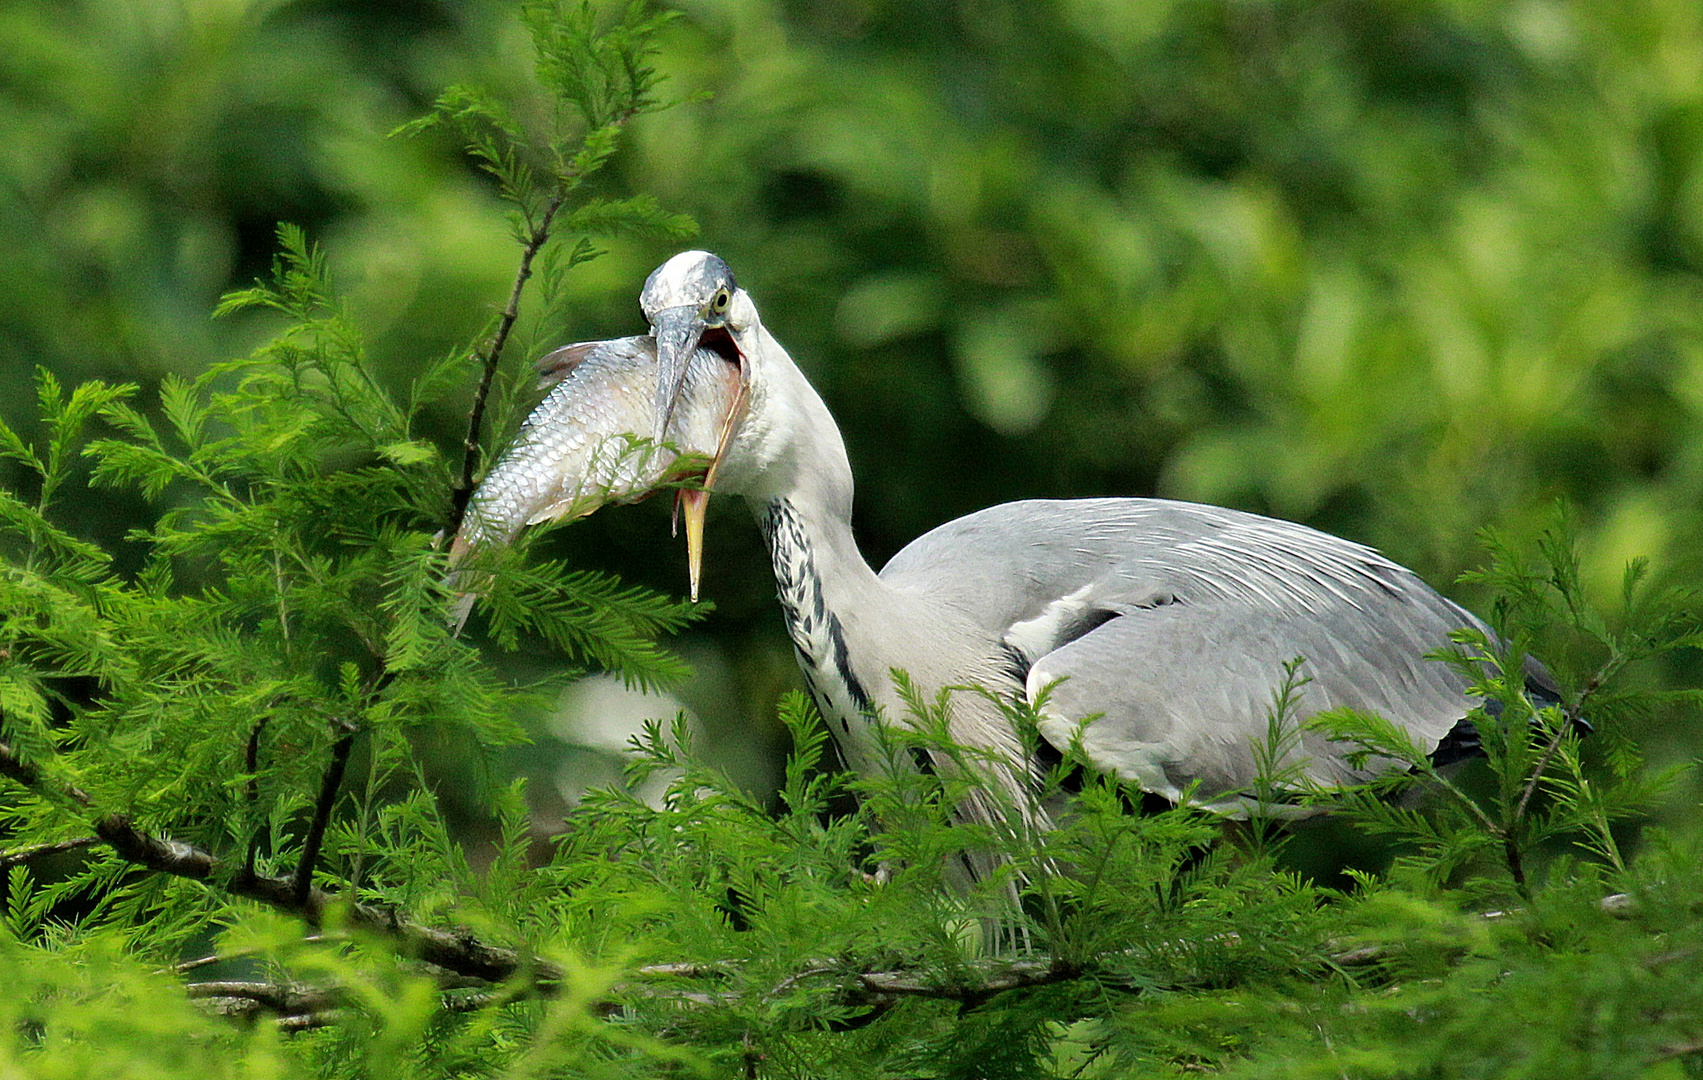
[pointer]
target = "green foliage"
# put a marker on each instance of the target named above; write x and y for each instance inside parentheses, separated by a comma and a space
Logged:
(711, 933)
(90, 1010)
(595, 75)
(1323, 266)
(1540, 789)
(291, 593)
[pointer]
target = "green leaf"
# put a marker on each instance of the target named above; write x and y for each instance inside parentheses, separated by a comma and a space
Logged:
(411, 452)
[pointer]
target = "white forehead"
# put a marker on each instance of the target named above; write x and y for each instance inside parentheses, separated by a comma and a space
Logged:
(691, 277)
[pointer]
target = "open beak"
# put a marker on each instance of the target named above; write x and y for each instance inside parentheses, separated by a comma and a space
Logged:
(683, 328)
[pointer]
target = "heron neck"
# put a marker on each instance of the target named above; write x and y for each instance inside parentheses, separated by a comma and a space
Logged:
(807, 480)
(838, 613)
(851, 629)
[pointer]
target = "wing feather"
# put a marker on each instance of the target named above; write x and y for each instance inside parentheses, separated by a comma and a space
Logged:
(1171, 623)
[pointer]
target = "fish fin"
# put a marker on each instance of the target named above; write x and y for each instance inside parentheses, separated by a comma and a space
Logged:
(569, 507)
(555, 366)
(459, 610)
(460, 581)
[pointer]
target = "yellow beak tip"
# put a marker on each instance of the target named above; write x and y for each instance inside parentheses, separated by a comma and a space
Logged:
(694, 503)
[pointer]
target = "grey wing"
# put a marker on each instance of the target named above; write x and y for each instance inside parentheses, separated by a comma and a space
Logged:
(1170, 625)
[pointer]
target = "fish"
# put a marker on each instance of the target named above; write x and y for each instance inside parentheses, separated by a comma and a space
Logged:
(582, 448)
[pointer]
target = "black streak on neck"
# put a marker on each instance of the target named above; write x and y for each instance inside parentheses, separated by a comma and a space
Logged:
(808, 618)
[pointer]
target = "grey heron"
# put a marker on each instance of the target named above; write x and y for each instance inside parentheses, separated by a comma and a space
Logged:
(1160, 630)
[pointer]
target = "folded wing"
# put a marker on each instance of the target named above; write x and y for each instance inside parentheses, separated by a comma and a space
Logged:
(1163, 629)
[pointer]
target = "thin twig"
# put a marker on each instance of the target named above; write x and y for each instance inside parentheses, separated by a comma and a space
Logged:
(1465, 800)
(1018, 975)
(1570, 720)
(684, 971)
(1510, 836)
(463, 490)
(1543, 761)
(36, 851)
(251, 761)
(1684, 1049)
(329, 785)
(187, 966)
(797, 977)
(29, 776)
(753, 1057)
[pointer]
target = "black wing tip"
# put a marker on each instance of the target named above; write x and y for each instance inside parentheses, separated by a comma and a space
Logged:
(1462, 742)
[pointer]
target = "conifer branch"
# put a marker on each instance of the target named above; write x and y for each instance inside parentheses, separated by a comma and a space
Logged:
(251, 760)
(493, 352)
(329, 785)
(36, 851)
(456, 951)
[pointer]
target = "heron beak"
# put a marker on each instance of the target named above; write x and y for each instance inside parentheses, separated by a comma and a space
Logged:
(694, 502)
(677, 331)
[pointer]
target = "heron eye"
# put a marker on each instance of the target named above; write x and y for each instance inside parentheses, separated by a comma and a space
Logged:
(719, 304)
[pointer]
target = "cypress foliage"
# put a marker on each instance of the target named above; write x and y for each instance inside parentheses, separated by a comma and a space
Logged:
(223, 856)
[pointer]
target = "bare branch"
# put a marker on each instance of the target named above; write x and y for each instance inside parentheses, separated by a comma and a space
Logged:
(251, 760)
(36, 851)
(280, 997)
(457, 951)
(296, 1008)
(159, 853)
(329, 785)
(463, 490)
(1678, 1050)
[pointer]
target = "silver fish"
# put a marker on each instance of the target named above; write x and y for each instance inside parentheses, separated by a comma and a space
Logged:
(582, 446)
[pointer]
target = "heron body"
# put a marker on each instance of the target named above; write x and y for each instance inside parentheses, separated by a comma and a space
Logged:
(1152, 633)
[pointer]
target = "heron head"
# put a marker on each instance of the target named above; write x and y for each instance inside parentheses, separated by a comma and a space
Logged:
(692, 302)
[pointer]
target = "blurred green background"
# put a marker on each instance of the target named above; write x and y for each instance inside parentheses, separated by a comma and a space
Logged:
(1397, 269)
